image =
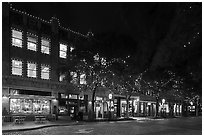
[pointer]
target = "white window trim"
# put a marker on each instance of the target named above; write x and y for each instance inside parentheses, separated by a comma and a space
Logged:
(45, 45)
(32, 35)
(41, 72)
(13, 38)
(16, 67)
(63, 51)
(32, 70)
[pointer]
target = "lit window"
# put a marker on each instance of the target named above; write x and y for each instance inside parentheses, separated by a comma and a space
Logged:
(17, 38)
(62, 77)
(45, 72)
(45, 46)
(74, 77)
(32, 42)
(83, 79)
(31, 70)
(17, 67)
(63, 51)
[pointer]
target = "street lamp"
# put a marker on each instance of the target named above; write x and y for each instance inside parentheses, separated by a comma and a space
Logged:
(110, 97)
(163, 101)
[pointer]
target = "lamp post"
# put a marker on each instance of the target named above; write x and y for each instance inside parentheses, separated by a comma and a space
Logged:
(163, 101)
(110, 97)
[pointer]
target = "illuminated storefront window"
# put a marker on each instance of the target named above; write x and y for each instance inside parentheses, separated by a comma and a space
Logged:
(45, 46)
(17, 38)
(30, 106)
(31, 70)
(32, 42)
(63, 51)
(17, 67)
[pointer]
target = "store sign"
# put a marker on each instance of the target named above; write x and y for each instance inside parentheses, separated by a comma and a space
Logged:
(72, 96)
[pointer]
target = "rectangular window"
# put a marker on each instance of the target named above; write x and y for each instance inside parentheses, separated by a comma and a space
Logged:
(31, 70)
(83, 79)
(17, 67)
(63, 51)
(74, 77)
(45, 46)
(29, 106)
(17, 38)
(62, 77)
(32, 42)
(45, 72)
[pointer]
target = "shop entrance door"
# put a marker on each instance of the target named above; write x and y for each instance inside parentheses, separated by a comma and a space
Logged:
(72, 111)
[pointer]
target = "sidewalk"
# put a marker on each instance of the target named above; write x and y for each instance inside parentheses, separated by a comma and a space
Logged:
(29, 125)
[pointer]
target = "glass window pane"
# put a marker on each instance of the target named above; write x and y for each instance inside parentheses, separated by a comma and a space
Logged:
(31, 72)
(83, 79)
(16, 34)
(16, 63)
(63, 54)
(63, 51)
(32, 39)
(45, 42)
(45, 75)
(16, 71)
(32, 46)
(16, 67)
(63, 47)
(45, 50)
(45, 46)
(16, 42)
(45, 72)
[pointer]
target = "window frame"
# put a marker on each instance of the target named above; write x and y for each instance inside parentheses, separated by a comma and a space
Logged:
(13, 38)
(41, 71)
(63, 51)
(14, 67)
(31, 42)
(42, 45)
(33, 70)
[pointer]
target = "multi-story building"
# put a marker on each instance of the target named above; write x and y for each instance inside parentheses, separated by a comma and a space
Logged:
(33, 49)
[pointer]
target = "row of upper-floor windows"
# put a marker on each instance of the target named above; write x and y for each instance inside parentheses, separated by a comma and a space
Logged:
(32, 42)
(17, 69)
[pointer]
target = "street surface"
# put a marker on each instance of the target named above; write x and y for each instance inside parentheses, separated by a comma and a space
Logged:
(175, 126)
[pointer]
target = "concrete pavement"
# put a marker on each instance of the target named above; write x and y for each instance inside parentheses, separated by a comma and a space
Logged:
(31, 125)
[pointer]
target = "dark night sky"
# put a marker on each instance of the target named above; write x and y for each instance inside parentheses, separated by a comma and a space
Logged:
(101, 17)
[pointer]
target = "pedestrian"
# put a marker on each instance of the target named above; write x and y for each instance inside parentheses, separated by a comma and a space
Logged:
(55, 111)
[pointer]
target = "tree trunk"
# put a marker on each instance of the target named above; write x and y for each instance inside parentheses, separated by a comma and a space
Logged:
(196, 107)
(127, 108)
(93, 101)
(157, 106)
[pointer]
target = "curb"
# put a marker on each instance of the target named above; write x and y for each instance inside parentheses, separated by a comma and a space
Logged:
(34, 128)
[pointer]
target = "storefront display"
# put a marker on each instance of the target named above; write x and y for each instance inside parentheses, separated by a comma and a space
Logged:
(29, 106)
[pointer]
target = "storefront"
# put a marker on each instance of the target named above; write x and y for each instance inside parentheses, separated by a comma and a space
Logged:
(29, 102)
(71, 104)
(121, 107)
(103, 106)
(147, 108)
